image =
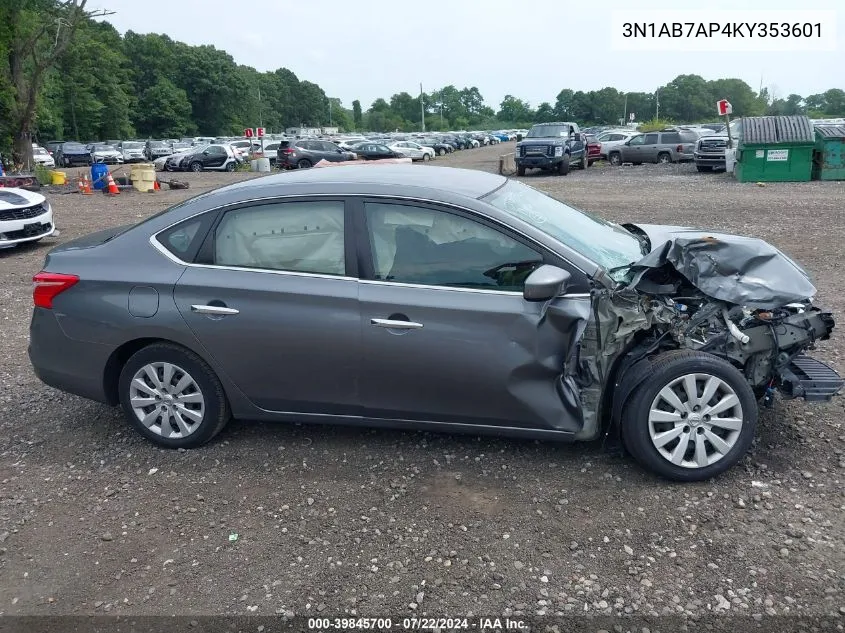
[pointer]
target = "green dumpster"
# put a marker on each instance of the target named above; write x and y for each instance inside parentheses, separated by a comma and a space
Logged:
(829, 158)
(775, 149)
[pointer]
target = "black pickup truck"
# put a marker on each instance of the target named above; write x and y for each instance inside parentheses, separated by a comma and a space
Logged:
(552, 146)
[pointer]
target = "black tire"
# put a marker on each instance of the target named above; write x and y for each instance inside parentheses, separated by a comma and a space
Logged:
(216, 413)
(230, 167)
(520, 170)
(664, 370)
(426, 157)
(441, 152)
(563, 166)
(614, 158)
(590, 163)
(303, 164)
(703, 168)
(195, 167)
(664, 158)
(583, 163)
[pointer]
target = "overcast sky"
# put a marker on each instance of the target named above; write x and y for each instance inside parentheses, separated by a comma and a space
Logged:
(374, 48)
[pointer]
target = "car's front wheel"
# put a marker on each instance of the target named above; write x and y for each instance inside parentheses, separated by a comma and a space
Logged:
(196, 166)
(172, 397)
(563, 166)
(426, 157)
(692, 418)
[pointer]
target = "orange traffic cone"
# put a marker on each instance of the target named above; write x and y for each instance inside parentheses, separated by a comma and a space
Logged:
(112, 187)
(86, 185)
(156, 186)
(80, 185)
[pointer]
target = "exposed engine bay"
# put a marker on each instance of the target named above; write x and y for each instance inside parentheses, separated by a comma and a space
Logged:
(737, 298)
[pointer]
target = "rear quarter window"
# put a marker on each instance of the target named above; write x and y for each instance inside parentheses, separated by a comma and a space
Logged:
(671, 137)
(184, 239)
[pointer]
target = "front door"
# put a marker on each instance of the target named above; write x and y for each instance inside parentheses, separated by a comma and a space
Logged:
(275, 308)
(214, 157)
(447, 333)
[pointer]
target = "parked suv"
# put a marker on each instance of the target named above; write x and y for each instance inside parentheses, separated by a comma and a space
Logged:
(157, 149)
(306, 153)
(668, 146)
(551, 146)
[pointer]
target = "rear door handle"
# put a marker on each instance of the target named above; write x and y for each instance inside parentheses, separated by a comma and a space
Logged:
(218, 310)
(396, 325)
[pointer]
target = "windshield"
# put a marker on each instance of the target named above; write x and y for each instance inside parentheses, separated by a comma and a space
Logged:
(100, 147)
(547, 131)
(133, 145)
(605, 243)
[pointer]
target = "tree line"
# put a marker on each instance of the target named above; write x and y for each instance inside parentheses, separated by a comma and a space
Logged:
(67, 74)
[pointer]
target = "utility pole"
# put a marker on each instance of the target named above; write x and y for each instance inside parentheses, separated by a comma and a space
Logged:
(330, 112)
(422, 108)
(625, 112)
(441, 110)
(657, 100)
(260, 119)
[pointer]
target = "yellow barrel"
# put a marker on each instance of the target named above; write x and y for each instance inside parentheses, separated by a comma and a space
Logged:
(143, 176)
(58, 177)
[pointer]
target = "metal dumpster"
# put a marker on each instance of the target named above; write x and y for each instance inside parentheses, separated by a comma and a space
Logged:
(775, 149)
(829, 157)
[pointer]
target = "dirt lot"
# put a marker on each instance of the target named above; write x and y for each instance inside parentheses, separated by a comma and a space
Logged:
(334, 521)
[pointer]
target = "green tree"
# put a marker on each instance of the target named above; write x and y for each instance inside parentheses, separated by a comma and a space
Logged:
(545, 113)
(164, 110)
(687, 98)
(515, 111)
(356, 113)
(34, 35)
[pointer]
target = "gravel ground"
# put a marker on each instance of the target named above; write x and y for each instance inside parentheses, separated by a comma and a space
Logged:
(332, 521)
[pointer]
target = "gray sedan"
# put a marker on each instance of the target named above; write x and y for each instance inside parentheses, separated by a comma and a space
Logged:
(436, 299)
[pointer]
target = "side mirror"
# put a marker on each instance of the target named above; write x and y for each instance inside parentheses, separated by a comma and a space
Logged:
(545, 283)
(205, 153)
(339, 151)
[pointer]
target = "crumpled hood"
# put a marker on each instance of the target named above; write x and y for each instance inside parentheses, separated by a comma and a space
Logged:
(14, 198)
(746, 271)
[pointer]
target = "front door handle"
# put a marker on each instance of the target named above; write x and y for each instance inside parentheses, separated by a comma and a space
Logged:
(396, 324)
(217, 310)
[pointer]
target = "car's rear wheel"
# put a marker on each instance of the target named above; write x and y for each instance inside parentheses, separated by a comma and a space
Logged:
(196, 166)
(563, 166)
(172, 397)
(441, 152)
(692, 418)
(230, 166)
(303, 164)
(663, 158)
(615, 158)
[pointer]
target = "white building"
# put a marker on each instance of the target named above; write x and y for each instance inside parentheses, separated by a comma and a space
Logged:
(303, 131)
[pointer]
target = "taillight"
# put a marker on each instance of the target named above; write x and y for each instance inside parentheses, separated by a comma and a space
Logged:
(47, 286)
(289, 150)
(680, 149)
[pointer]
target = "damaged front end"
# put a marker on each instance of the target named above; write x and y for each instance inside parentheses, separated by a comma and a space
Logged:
(737, 298)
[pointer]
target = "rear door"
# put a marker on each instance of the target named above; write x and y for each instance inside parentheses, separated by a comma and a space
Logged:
(650, 148)
(273, 298)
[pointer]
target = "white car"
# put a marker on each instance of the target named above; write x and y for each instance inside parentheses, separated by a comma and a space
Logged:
(412, 150)
(611, 139)
(132, 151)
(42, 157)
(25, 216)
(161, 161)
(105, 153)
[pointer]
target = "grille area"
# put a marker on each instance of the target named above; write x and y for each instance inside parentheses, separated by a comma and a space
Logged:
(22, 214)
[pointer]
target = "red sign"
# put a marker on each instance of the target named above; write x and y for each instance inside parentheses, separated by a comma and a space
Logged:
(724, 107)
(259, 132)
(248, 132)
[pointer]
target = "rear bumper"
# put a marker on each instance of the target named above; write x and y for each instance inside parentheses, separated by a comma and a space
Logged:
(64, 363)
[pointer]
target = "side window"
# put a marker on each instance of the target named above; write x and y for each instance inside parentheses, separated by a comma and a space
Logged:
(671, 138)
(650, 139)
(181, 239)
(415, 245)
(637, 140)
(295, 236)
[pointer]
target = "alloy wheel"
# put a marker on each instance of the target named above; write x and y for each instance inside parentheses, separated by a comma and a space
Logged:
(695, 420)
(167, 400)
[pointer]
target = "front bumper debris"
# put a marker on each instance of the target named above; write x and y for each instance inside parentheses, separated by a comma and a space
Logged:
(808, 378)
